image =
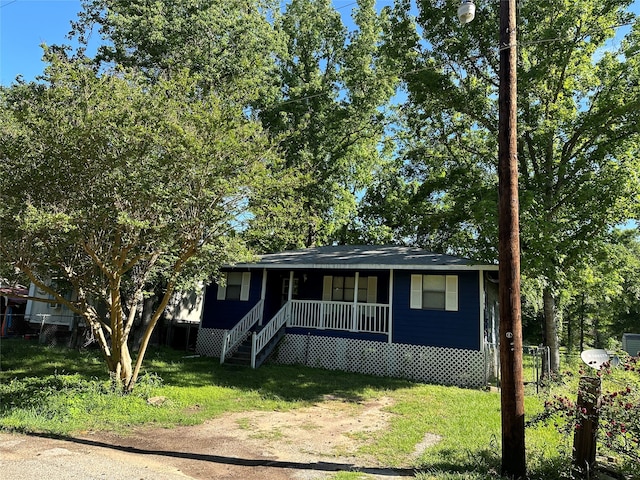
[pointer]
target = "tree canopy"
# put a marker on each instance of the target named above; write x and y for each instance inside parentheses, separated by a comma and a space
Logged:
(328, 120)
(110, 182)
(230, 46)
(578, 103)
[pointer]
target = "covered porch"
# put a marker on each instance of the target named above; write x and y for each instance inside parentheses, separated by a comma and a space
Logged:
(357, 312)
(341, 316)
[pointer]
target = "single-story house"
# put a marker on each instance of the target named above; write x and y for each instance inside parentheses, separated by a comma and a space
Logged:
(47, 312)
(382, 310)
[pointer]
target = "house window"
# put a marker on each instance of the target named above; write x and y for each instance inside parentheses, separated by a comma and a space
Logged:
(434, 292)
(236, 286)
(343, 289)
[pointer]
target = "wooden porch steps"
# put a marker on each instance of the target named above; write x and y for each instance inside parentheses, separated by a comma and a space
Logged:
(242, 356)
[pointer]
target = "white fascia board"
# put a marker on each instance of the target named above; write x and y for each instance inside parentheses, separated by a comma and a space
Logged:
(363, 266)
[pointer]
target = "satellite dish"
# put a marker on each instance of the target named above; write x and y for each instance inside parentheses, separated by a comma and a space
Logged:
(595, 358)
(615, 361)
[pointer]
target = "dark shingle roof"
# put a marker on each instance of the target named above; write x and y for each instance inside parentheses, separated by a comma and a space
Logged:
(366, 258)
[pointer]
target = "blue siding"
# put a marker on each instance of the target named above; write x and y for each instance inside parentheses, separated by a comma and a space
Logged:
(224, 314)
(436, 328)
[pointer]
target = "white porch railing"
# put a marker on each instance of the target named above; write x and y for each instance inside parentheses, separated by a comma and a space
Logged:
(237, 334)
(260, 339)
(360, 317)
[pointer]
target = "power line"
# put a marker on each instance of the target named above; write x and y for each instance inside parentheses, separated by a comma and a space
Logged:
(345, 5)
(8, 3)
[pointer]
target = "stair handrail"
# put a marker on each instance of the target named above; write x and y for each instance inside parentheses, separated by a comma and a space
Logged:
(262, 338)
(233, 337)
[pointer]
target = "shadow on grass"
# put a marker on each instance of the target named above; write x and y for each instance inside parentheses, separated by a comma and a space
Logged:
(284, 382)
(236, 461)
(21, 359)
(450, 463)
(296, 382)
(485, 464)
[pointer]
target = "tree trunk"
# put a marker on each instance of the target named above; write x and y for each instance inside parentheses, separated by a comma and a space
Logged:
(146, 315)
(120, 364)
(126, 366)
(551, 331)
(569, 335)
(582, 325)
(597, 340)
(147, 334)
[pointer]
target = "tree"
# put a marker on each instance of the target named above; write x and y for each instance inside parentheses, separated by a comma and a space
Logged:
(578, 109)
(604, 300)
(110, 182)
(229, 45)
(327, 120)
(318, 89)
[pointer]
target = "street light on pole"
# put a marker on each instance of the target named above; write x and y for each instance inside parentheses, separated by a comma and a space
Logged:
(512, 386)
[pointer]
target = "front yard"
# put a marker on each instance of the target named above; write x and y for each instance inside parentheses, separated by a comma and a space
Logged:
(363, 421)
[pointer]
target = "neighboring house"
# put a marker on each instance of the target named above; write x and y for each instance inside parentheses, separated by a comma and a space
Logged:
(631, 344)
(47, 311)
(182, 318)
(12, 308)
(183, 315)
(383, 310)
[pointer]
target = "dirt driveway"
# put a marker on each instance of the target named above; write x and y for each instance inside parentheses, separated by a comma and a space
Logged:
(309, 443)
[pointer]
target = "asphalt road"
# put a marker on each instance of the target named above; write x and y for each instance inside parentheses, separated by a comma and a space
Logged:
(26, 457)
(34, 457)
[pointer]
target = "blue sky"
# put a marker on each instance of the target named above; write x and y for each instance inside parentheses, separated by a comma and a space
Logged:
(25, 24)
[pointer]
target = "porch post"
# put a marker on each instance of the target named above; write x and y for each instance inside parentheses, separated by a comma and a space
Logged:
(290, 292)
(254, 336)
(354, 308)
(390, 326)
(263, 294)
(483, 302)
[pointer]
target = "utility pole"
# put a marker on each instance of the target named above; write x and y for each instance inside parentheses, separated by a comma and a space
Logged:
(512, 387)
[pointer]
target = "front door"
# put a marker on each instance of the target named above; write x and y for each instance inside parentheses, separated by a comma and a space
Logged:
(284, 292)
(277, 293)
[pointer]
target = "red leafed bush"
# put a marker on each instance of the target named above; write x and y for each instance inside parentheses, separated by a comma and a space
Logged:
(618, 412)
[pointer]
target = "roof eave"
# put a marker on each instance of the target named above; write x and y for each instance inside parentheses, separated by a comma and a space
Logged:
(363, 266)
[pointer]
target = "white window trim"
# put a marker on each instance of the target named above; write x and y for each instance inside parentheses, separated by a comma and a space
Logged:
(244, 287)
(451, 292)
(372, 288)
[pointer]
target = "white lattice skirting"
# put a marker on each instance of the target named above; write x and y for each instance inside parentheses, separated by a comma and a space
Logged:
(209, 342)
(443, 366)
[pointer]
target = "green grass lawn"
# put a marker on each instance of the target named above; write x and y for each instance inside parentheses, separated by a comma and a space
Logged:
(60, 391)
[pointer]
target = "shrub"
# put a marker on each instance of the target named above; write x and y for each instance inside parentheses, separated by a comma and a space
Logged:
(618, 412)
